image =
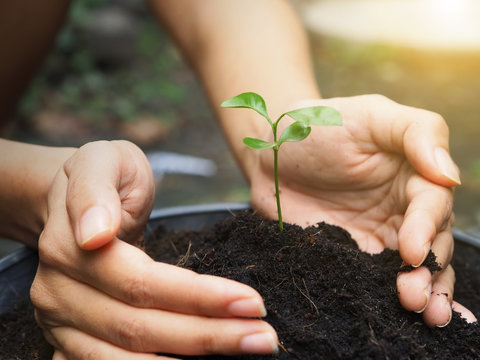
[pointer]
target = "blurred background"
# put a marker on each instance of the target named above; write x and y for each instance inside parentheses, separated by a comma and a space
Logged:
(115, 74)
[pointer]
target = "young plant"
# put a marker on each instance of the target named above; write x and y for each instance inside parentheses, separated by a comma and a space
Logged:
(297, 131)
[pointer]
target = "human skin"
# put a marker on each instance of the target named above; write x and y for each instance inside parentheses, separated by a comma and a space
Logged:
(87, 258)
(26, 175)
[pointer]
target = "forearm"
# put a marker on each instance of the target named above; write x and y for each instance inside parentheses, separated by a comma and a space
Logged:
(238, 46)
(26, 173)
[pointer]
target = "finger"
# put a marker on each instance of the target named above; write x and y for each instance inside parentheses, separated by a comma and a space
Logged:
(419, 134)
(151, 330)
(109, 185)
(464, 312)
(128, 274)
(442, 248)
(92, 198)
(439, 309)
(80, 346)
(414, 289)
(428, 213)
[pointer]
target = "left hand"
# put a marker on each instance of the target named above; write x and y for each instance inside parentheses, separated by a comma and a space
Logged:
(96, 296)
(387, 177)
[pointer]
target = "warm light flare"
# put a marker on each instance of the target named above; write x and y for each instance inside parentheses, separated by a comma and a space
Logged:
(439, 24)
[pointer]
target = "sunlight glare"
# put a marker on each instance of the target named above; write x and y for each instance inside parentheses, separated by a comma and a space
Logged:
(440, 24)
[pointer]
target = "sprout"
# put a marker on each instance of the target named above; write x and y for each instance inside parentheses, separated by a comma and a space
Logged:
(297, 131)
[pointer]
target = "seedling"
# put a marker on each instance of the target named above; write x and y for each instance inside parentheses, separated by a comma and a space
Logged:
(297, 131)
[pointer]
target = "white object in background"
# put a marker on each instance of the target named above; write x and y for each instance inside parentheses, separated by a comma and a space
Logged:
(172, 163)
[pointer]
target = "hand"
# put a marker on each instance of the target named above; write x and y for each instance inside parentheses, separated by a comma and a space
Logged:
(97, 296)
(386, 176)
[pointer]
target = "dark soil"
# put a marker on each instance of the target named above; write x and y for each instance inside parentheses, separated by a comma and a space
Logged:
(325, 298)
(20, 337)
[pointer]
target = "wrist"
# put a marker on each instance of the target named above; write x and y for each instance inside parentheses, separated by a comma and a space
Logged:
(26, 177)
(52, 160)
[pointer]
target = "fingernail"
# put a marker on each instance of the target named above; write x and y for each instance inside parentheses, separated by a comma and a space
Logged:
(426, 250)
(259, 343)
(427, 292)
(94, 221)
(250, 307)
(449, 307)
(446, 165)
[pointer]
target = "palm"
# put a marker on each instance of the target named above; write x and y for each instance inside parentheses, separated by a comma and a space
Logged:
(357, 186)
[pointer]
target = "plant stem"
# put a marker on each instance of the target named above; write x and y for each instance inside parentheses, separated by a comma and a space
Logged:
(275, 174)
(277, 189)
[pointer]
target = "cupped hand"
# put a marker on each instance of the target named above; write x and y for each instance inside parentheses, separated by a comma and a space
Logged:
(387, 177)
(97, 296)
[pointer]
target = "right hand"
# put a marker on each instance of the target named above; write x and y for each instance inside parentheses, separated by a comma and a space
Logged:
(385, 176)
(97, 296)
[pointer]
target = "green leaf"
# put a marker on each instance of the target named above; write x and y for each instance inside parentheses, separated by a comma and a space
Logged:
(317, 115)
(257, 144)
(295, 132)
(248, 100)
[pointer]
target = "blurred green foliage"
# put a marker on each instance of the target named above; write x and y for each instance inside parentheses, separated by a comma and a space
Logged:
(72, 82)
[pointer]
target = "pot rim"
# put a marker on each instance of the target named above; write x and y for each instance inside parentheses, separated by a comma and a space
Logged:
(206, 208)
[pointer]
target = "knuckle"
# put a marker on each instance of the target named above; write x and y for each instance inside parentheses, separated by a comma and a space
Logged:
(46, 254)
(92, 353)
(128, 144)
(93, 146)
(49, 249)
(44, 304)
(436, 121)
(136, 290)
(131, 334)
(210, 342)
(375, 100)
(379, 98)
(36, 293)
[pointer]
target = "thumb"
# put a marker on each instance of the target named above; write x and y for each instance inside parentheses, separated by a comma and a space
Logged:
(92, 200)
(99, 175)
(421, 135)
(97, 226)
